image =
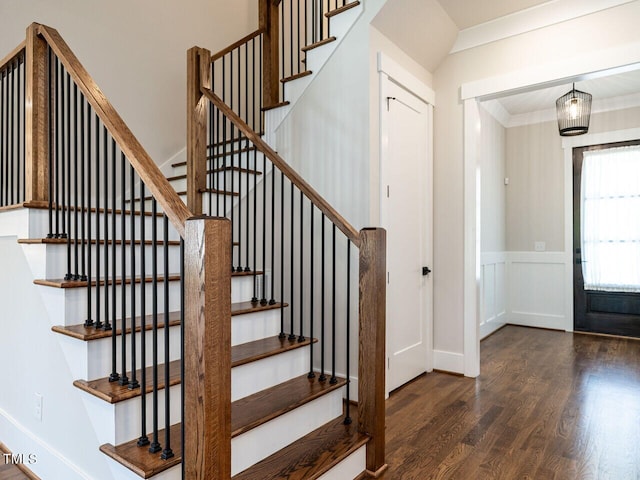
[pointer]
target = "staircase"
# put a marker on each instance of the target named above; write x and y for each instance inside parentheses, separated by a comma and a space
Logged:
(206, 347)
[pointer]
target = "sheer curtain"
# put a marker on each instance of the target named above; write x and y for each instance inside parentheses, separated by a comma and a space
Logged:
(611, 219)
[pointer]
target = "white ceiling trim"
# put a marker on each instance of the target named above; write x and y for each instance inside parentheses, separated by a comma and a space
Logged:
(533, 18)
(549, 115)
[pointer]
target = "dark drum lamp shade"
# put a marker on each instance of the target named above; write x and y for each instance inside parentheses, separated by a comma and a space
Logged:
(574, 110)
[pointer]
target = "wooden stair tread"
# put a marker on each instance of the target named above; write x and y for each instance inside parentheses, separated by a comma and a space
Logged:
(108, 211)
(113, 392)
(220, 155)
(183, 193)
(276, 105)
(219, 170)
(63, 241)
(252, 411)
(140, 461)
(61, 283)
(306, 73)
(81, 332)
(240, 138)
(311, 456)
(318, 44)
(341, 9)
(244, 415)
(241, 308)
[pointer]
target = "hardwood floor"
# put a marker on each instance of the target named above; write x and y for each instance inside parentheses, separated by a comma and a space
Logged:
(547, 405)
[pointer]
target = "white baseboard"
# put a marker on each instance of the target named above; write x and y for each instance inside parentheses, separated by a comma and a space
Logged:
(448, 361)
(538, 320)
(49, 463)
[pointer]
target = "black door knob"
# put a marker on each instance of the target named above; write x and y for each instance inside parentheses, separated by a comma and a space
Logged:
(426, 271)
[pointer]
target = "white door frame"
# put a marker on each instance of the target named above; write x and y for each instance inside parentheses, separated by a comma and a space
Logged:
(595, 64)
(389, 70)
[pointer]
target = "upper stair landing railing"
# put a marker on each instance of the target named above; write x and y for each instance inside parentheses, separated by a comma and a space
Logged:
(250, 75)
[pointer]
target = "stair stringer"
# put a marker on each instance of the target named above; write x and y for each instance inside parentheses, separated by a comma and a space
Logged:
(315, 59)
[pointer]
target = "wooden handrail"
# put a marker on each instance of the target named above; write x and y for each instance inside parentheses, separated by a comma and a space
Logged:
(235, 45)
(324, 206)
(12, 54)
(145, 167)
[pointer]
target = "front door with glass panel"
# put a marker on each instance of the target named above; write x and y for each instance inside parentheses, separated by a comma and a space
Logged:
(606, 239)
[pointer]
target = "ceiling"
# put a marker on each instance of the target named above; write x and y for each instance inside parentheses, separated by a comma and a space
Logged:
(427, 31)
(468, 13)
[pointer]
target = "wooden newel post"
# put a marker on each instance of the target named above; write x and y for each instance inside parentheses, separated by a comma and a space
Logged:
(371, 371)
(36, 119)
(270, 23)
(207, 351)
(198, 75)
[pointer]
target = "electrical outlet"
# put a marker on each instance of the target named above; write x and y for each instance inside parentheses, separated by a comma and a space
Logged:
(540, 246)
(38, 407)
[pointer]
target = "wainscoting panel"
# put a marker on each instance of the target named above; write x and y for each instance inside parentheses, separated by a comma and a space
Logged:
(493, 294)
(537, 290)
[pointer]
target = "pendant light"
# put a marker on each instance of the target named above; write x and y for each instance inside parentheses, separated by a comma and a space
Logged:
(573, 109)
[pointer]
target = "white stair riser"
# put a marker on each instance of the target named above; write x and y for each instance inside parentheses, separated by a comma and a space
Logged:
(350, 467)
(258, 443)
(91, 360)
(23, 223)
(54, 258)
(68, 306)
(254, 326)
(260, 375)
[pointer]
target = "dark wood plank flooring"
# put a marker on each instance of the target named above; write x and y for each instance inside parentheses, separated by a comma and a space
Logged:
(547, 405)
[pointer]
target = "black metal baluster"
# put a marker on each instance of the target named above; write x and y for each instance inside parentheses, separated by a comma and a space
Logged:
(114, 377)
(301, 335)
(273, 172)
(11, 143)
(263, 298)
(333, 309)
(167, 452)
(52, 142)
(98, 322)
(67, 163)
(59, 149)
(21, 140)
(144, 439)
(347, 419)
(3, 106)
(124, 380)
(182, 392)
(283, 72)
(272, 300)
(231, 155)
(133, 384)
(291, 54)
(247, 155)
(254, 299)
(292, 289)
(76, 177)
(105, 217)
(82, 160)
(312, 291)
(155, 444)
(322, 377)
(88, 179)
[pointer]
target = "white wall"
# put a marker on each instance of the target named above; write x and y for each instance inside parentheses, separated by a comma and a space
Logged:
(492, 159)
(528, 56)
(136, 52)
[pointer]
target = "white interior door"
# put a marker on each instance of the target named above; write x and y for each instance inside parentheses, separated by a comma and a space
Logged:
(406, 211)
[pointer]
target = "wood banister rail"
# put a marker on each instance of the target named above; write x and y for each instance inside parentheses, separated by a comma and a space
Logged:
(345, 227)
(145, 167)
(207, 353)
(12, 54)
(235, 45)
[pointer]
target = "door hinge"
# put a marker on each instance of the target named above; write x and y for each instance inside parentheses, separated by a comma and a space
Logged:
(388, 363)
(389, 99)
(426, 271)
(388, 277)
(387, 191)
